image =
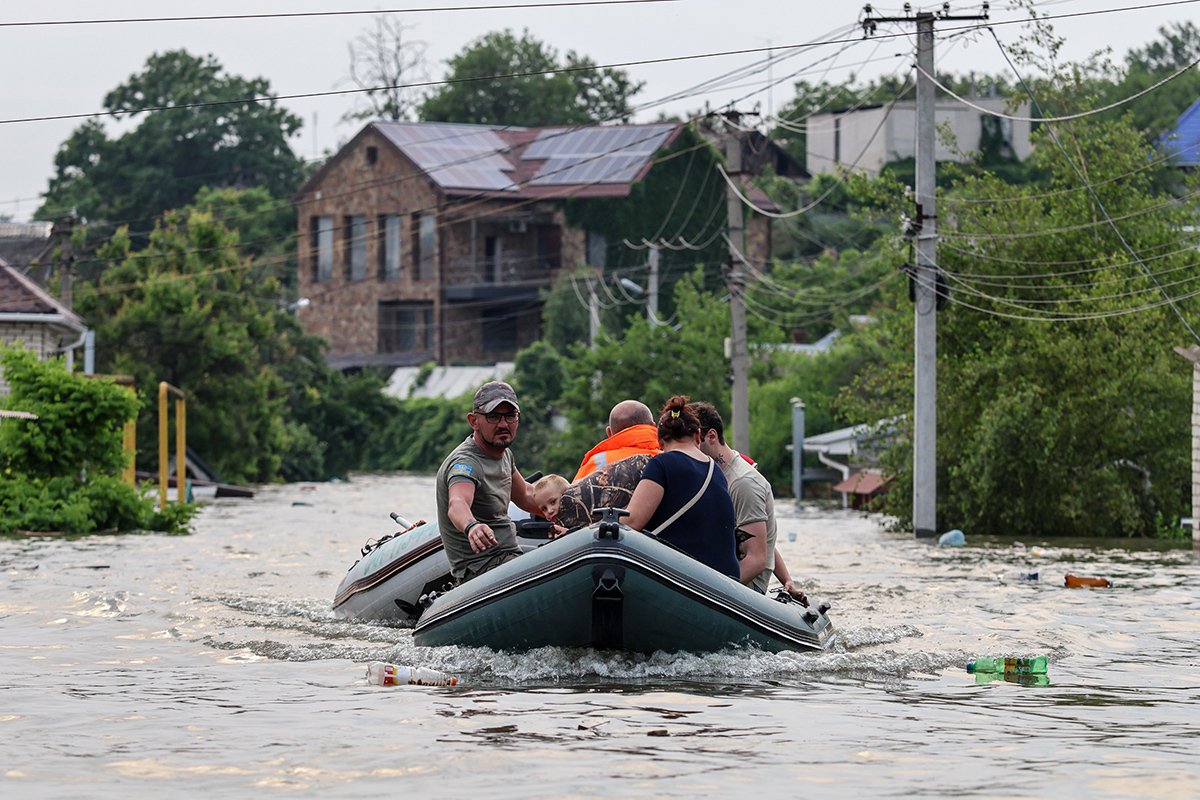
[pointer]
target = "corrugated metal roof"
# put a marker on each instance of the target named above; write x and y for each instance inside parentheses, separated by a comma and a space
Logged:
(445, 382)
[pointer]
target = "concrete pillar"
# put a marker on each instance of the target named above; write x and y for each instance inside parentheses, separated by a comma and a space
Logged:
(797, 448)
(1192, 354)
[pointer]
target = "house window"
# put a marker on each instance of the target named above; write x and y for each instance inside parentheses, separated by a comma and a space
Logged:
(426, 254)
(354, 229)
(320, 232)
(597, 249)
(372, 155)
(389, 230)
(405, 327)
(491, 254)
(499, 330)
(549, 247)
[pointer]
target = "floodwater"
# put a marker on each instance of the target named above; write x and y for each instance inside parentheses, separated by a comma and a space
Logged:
(211, 664)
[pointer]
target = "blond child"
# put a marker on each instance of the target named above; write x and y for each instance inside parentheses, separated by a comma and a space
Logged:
(547, 495)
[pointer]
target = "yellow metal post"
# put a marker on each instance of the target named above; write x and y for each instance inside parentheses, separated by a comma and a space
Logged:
(129, 447)
(180, 451)
(164, 456)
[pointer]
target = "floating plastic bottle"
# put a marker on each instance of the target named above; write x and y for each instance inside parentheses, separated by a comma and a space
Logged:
(1024, 679)
(380, 673)
(1077, 581)
(1016, 666)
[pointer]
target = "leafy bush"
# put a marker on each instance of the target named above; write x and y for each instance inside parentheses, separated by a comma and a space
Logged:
(60, 472)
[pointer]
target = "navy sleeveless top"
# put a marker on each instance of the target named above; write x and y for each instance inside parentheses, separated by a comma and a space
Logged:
(706, 530)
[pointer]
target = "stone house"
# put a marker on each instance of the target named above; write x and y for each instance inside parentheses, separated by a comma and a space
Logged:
(31, 318)
(431, 241)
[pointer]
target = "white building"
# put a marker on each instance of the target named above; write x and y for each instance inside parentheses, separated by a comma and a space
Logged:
(864, 139)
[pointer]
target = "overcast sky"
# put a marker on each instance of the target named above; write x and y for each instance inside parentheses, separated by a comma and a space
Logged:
(67, 69)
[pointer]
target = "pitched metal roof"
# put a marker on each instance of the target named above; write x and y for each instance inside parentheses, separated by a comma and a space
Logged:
(453, 155)
(601, 154)
(20, 295)
(530, 162)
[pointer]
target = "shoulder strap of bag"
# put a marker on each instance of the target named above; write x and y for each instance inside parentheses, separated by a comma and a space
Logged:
(688, 504)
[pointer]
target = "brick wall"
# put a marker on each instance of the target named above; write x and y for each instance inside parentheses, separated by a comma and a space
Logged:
(341, 310)
(345, 311)
(29, 335)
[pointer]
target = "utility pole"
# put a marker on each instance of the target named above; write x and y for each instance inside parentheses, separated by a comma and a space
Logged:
(62, 231)
(737, 285)
(925, 271)
(652, 289)
(593, 311)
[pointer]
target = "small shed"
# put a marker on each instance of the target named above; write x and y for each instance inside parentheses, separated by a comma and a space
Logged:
(864, 486)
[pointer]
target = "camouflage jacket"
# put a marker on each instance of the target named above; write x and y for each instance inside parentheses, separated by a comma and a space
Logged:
(610, 487)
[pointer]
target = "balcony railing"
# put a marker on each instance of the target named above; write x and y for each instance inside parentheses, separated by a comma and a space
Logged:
(514, 272)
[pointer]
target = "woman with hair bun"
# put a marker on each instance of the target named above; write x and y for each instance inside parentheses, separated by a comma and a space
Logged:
(682, 498)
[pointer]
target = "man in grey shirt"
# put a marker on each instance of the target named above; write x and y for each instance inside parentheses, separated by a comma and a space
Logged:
(753, 505)
(475, 484)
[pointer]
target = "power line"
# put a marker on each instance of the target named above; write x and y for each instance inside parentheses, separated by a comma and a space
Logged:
(298, 14)
(1111, 222)
(559, 70)
(417, 85)
(691, 91)
(841, 178)
(1066, 117)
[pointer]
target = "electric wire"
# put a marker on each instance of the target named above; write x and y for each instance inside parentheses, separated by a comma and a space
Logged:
(841, 177)
(301, 14)
(1066, 117)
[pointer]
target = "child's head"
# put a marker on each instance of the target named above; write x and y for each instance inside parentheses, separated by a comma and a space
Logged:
(547, 492)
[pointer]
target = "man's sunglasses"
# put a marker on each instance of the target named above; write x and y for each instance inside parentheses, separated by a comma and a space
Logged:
(495, 416)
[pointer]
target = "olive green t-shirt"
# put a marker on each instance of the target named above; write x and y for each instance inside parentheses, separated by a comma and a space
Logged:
(493, 490)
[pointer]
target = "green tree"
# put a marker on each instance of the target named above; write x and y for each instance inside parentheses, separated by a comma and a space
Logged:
(265, 225)
(542, 90)
(188, 309)
(196, 126)
(1061, 406)
(1157, 112)
(649, 363)
(421, 434)
(540, 376)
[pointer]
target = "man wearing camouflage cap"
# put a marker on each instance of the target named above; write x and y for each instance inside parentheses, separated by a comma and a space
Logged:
(475, 484)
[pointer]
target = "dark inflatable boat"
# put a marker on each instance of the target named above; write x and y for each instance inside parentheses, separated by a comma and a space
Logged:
(608, 586)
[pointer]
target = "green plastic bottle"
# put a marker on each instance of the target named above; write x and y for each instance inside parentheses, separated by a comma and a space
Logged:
(1020, 679)
(1019, 666)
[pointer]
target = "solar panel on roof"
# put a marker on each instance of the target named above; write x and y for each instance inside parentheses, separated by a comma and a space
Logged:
(456, 156)
(594, 155)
